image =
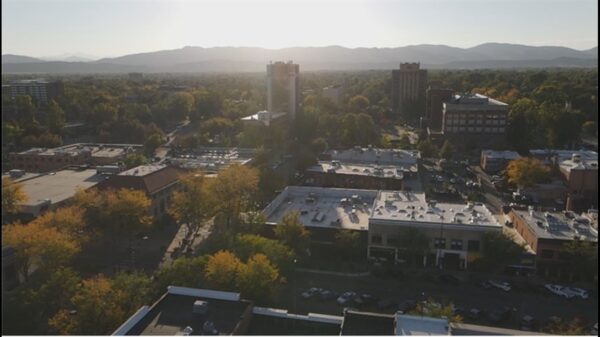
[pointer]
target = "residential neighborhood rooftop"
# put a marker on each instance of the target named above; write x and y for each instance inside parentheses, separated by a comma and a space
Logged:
(383, 171)
(369, 155)
(212, 159)
(557, 226)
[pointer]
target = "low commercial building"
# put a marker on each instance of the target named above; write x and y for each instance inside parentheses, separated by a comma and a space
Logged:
(158, 182)
(44, 160)
(323, 211)
(494, 161)
(548, 233)
(454, 231)
(49, 191)
(211, 160)
(185, 311)
(336, 174)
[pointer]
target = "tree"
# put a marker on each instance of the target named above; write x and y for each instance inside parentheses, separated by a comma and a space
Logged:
(232, 191)
(430, 308)
(101, 305)
(427, 149)
(413, 244)
(247, 245)
(347, 242)
(558, 326)
(526, 172)
(127, 210)
(67, 220)
(358, 103)
(134, 159)
(256, 279)
(153, 142)
(291, 232)
(221, 269)
(12, 196)
(55, 117)
(446, 150)
(589, 129)
(582, 258)
(498, 251)
(180, 105)
(318, 145)
(183, 272)
(35, 245)
(189, 205)
(404, 142)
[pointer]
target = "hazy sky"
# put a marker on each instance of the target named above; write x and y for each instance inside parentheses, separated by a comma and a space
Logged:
(117, 27)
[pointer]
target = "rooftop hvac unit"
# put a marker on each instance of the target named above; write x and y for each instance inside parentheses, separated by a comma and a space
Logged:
(200, 307)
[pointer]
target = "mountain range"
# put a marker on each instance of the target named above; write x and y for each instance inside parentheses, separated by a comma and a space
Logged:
(253, 59)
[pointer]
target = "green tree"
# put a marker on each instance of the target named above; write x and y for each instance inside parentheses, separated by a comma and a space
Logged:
(12, 196)
(134, 159)
(180, 105)
(582, 258)
(526, 172)
(183, 272)
(257, 278)
(153, 142)
(247, 245)
(404, 142)
(358, 103)
(189, 205)
(55, 117)
(446, 151)
(498, 251)
(291, 232)
(347, 242)
(427, 149)
(413, 244)
(431, 308)
(221, 270)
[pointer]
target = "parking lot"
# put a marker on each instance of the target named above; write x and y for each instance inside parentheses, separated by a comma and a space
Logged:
(537, 302)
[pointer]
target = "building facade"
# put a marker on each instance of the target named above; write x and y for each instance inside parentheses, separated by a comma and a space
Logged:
(408, 85)
(434, 103)
(335, 93)
(40, 90)
(283, 87)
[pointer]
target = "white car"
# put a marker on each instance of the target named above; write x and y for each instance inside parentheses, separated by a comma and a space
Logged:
(500, 285)
(346, 297)
(558, 290)
(577, 292)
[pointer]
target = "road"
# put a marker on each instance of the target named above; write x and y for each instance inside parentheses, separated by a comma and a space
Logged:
(179, 246)
(161, 152)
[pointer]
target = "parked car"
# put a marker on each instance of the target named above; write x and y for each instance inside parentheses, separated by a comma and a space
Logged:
(311, 292)
(558, 290)
(328, 295)
(529, 323)
(385, 304)
(500, 285)
(449, 279)
(346, 297)
(577, 292)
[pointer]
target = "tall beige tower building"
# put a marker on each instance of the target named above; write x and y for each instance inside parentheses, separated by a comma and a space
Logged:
(283, 90)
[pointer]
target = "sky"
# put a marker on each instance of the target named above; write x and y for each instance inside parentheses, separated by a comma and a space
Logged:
(108, 28)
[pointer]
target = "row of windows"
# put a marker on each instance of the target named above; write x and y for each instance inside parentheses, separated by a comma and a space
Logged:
(473, 129)
(477, 121)
(480, 116)
(455, 244)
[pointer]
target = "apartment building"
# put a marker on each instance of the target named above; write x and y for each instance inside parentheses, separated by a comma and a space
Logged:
(408, 85)
(39, 89)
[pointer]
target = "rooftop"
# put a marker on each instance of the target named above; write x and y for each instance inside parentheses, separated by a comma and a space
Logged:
(143, 170)
(557, 226)
(96, 149)
(507, 155)
(148, 178)
(408, 207)
(391, 172)
(358, 323)
(173, 313)
(475, 99)
(409, 325)
(463, 329)
(369, 155)
(264, 116)
(212, 159)
(269, 321)
(323, 207)
(56, 186)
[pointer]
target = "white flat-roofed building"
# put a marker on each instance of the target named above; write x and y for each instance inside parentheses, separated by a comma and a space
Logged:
(323, 208)
(454, 231)
(337, 174)
(211, 160)
(406, 159)
(48, 191)
(411, 325)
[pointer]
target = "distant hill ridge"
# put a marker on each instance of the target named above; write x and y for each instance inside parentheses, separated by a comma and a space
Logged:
(230, 59)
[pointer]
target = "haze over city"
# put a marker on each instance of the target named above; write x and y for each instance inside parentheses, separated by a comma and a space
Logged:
(96, 29)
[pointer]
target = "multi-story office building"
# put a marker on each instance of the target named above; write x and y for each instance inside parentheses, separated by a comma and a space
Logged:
(408, 85)
(283, 87)
(475, 117)
(39, 89)
(434, 103)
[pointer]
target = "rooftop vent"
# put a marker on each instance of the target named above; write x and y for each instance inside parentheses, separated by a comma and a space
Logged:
(200, 307)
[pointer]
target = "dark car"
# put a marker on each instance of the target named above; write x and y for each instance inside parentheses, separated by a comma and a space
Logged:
(406, 306)
(449, 279)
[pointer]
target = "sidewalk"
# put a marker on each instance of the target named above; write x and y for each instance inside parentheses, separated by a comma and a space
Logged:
(177, 244)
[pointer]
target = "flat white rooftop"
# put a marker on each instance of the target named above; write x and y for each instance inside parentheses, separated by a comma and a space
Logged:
(409, 325)
(559, 227)
(411, 208)
(264, 117)
(368, 155)
(323, 207)
(212, 159)
(143, 170)
(508, 155)
(383, 171)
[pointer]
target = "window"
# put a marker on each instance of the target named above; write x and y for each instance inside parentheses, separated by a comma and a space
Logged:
(376, 239)
(547, 254)
(456, 244)
(439, 243)
(473, 245)
(392, 241)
